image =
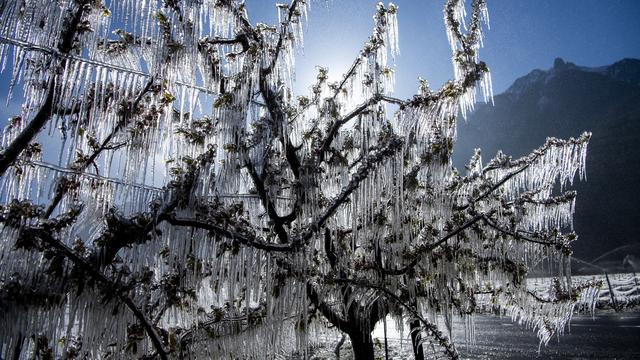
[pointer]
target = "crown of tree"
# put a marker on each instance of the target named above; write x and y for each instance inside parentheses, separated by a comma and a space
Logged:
(184, 203)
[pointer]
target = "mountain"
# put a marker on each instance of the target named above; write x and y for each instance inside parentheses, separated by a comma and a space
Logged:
(562, 102)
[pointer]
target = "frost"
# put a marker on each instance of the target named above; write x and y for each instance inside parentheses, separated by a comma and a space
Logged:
(185, 200)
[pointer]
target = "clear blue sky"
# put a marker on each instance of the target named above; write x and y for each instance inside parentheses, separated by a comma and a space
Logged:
(524, 35)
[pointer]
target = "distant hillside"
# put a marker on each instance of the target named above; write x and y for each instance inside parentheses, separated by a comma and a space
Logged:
(564, 101)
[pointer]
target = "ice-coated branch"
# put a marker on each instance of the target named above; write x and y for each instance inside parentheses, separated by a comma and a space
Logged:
(479, 15)
(419, 250)
(252, 316)
(562, 245)
(9, 155)
(279, 120)
(123, 232)
(327, 311)
(541, 168)
(502, 161)
(493, 188)
(267, 203)
(376, 41)
(337, 124)
(368, 164)
(241, 39)
(239, 237)
(454, 18)
(104, 281)
(67, 42)
(105, 145)
(55, 53)
(465, 50)
(293, 13)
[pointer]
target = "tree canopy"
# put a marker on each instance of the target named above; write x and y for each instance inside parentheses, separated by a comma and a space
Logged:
(166, 195)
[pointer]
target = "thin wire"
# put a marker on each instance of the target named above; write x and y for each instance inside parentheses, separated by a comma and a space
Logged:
(61, 169)
(30, 46)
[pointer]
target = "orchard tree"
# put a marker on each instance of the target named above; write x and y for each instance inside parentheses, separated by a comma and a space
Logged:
(166, 195)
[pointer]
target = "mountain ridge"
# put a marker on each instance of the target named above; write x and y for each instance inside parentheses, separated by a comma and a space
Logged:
(563, 102)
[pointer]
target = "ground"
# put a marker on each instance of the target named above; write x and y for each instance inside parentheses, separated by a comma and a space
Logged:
(607, 335)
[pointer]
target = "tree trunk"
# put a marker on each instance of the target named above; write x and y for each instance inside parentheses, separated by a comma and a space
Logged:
(362, 345)
(338, 346)
(415, 339)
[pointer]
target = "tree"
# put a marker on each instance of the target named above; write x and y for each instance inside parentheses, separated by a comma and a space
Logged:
(281, 216)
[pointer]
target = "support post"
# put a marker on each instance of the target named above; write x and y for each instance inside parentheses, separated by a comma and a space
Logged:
(613, 296)
(336, 350)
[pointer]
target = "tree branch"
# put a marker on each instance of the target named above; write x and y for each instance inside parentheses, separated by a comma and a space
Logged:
(432, 328)
(413, 255)
(267, 203)
(231, 235)
(9, 155)
(283, 30)
(368, 163)
(517, 236)
(338, 123)
(326, 310)
(493, 188)
(61, 191)
(99, 277)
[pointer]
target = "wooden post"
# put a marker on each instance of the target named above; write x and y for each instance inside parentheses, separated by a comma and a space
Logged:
(418, 351)
(386, 345)
(338, 346)
(613, 296)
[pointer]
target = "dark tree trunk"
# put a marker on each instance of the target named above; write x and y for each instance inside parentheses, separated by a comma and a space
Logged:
(18, 348)
(339, 345)
(362, 345)
(415, 340)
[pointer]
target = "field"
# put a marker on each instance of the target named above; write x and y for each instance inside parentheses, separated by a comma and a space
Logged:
(604, 335)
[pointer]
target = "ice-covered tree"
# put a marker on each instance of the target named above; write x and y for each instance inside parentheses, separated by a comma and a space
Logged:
(166, 195)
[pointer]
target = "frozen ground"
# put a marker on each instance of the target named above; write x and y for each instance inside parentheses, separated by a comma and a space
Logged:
(608, 335)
